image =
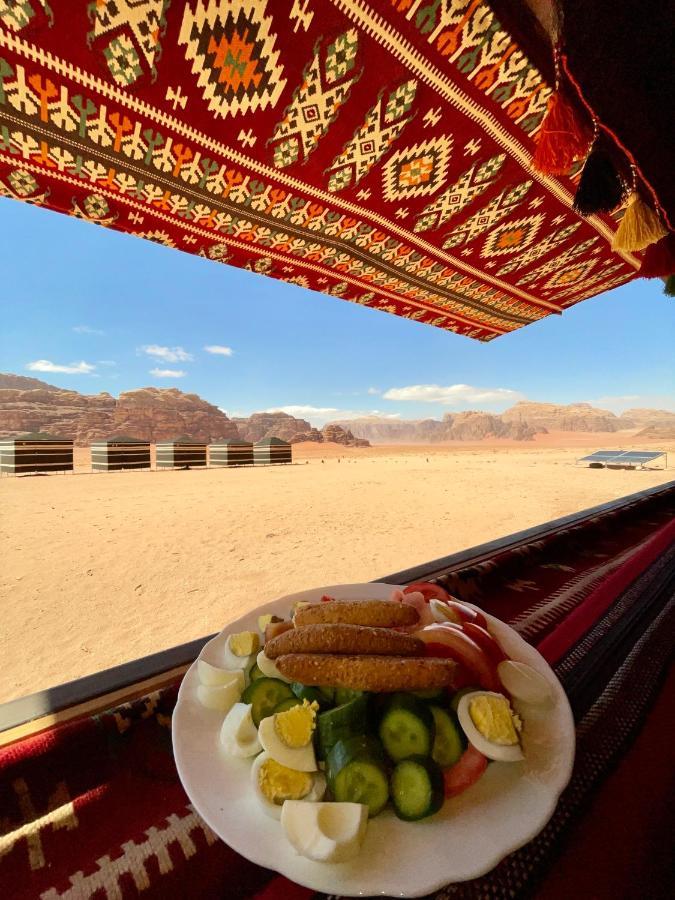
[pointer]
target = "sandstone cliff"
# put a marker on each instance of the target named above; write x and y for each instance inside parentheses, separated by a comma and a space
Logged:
(464, 426)
(634, 418)
(575, 417)
(271, 424)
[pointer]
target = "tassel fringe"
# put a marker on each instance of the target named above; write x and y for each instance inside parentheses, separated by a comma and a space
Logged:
(669, 289)
(659, 258)
(562, 138)
(639, 227)
(600, 186)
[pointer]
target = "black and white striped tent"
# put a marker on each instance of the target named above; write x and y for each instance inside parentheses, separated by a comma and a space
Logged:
(120, 452)
(271, 450)
(181, 451)
(231, 453)
(35, 452)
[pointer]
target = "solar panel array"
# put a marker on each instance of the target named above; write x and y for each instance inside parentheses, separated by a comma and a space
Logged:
(630, 457)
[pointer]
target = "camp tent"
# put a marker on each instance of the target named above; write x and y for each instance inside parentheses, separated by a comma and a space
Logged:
(231, 453)
(179, 452)
(35, 452)
(271, 450)
(120, 452)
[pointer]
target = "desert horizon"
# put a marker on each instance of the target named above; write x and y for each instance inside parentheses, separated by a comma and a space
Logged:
(119, 565)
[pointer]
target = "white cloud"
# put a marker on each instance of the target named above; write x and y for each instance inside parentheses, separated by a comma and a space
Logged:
(167, 354)
(168, 373)
(453, 394)
(219, 350)
(86, 329)
(373, 390)
(106, 362)
(75, 368)
(320, 415)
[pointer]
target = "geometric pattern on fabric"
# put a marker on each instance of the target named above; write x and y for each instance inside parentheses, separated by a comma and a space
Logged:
(418, 170)
(382, 126)
(374, 151)
(232, 51)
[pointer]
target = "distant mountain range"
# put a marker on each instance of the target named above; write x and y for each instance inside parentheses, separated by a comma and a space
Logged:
(28, 404)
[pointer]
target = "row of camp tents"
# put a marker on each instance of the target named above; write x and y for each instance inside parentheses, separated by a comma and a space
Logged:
(42, 452)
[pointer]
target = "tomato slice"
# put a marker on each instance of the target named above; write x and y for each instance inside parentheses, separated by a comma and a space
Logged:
(428, 590)
(466, 771)
(485, 641)
(467, 613)
(450, 641)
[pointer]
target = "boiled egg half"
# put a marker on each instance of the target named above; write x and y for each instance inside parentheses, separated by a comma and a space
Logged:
(275, 784)
(287, 737)
(523, 682)
(325, 832)
(269, 668)
(491, 725)
(224, 695)
(238, 734)
(240, 650)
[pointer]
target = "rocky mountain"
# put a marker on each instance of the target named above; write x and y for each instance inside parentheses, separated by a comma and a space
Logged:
(151, 414)
(282, 425)
(575, 417)
(464, 426)
(23, 383)
(645, 417)
(659, 431)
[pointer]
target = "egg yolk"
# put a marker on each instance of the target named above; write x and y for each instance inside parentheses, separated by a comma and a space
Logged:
(279, 783)
(245, 643)
(493, 718)
(295, 726)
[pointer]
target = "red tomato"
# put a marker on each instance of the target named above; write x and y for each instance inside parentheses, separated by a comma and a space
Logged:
(450, 641)
(467, 613)
(327, 599)
(485, 641)
(465, 772)
(429, 590)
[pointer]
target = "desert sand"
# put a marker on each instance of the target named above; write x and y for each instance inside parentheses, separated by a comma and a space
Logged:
(98, 569)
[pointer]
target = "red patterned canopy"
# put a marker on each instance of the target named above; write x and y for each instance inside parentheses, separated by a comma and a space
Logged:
(375, 150)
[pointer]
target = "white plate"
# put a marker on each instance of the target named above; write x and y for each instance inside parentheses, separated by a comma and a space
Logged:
(508, 806)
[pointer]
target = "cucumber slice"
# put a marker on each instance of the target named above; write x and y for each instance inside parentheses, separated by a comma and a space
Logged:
(407, 728)
(416, 788)
(255, 673)
(264, 694)
(449, 743)
(311, 694)
(346, 695)
(340, 723)
(430, 695)
(357, 774)
(287, 704)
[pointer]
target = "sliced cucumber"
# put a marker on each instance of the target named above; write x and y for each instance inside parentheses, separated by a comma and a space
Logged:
(311, 694)
(340, 723)
(416, 788)
(287, 704)
(431, 694)
(407, 728)
(449, 743)
(255, 673)
(345, 695)
(357, 773)
(264, 695)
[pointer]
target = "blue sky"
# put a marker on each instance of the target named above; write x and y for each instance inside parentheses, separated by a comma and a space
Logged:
(123, 313)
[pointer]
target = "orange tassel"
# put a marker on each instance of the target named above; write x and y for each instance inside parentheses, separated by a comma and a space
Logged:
(562, 138)
(640, 226)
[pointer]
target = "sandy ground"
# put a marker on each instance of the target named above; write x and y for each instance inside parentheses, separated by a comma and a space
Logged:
(99, 569)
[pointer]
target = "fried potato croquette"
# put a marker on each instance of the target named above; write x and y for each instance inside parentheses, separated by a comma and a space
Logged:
(341, 638)
(380, 674)
(376, 613)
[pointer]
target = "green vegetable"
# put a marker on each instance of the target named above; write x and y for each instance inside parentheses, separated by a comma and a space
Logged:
(340, 723)
(431, 694)
(345, 695)
(328, 691)
(416, 788)
(356, 773)
(287, 704)
(255, 673)
(311, 694)
(449, 742)
(407, 727)
(265, 694)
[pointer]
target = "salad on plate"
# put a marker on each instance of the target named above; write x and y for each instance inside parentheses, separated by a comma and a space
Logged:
(349, 707)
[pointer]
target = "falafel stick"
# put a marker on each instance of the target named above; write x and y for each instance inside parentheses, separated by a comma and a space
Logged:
(341, 638)
(380, 674)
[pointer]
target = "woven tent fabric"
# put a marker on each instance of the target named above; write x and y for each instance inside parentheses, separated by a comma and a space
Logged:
(374, 150)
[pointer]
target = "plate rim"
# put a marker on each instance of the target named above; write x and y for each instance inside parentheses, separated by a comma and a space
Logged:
(252, 856)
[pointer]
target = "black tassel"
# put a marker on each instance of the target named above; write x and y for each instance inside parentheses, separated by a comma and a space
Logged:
(669, 289)
(600, 186)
